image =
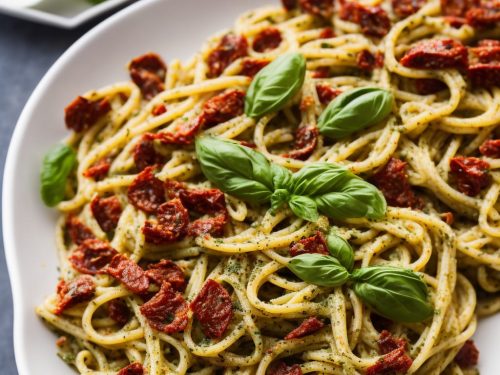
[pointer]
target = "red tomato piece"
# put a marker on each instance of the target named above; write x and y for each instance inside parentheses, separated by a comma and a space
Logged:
(167, 310)
(107, 212)
(92, 256)
(267, 40)
(83, 113)
(457, 8)
(204, 201)
(374, 21)
(322, 8)
(250, 67)
(128, 272)
(230, 48)
(387, 343)
(307, 327)
(146, 192)
(392, 180)
(77, 231)
(326, 33)
(99, 170)
(212, 225)
(118, 311)
(148, 72)
(405, 8)
(321, 72)
(311, 245)
(326, 93)
(436, 54)
(78, 290)
(289, 4)
(168, 271)
(484, 65)
(396, 361)
(222, 108)
(145, 154)
(159, 109)
(366, 61)
(132, 369)
(173, 220)
(471, 174)
(281, 368)
(468, 355)
(489, 43)
(306, 140)
(491, 148)
(213, 309)
(486, 16)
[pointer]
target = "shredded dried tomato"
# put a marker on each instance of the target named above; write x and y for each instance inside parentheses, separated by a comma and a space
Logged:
(250, 67)
(374, 21)
(128, 272)
(99, 170)
(436, 54)
(78, 290)
(326, 93)
(132, 369)
(118, 311)
(77, 231)
(395, 359)
(107, 212)
(310, 245)
(145, 154)
(405, 8)
(168, 271)
(267, 40)
(471, 174)
(322, 8)
(366, 61)
(468, 355)
(307, 327)
(490, 148)
(83, 113)
(281, 368)
(306, 140)
(146, 192)
(148, 72)
(173, 220)
(230, 48)
(92, 256)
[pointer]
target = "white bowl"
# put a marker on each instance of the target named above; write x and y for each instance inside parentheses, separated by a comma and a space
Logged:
(173, 28)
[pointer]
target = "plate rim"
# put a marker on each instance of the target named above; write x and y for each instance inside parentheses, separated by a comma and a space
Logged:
(12, 260)
(48, 18)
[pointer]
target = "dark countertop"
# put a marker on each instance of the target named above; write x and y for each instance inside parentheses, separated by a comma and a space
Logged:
(27, 50)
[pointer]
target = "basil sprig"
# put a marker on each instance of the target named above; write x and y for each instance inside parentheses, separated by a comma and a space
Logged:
(355, 110)
(275, 84)
(57, 165)
(319, 187)
(396, 293)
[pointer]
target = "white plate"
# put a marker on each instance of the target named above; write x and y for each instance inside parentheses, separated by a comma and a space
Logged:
(173, 28)
(62, 13)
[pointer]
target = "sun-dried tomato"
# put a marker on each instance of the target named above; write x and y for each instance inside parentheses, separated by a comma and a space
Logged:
(471, 174)
(306, 140)
(107, 212)
(289, 4)
(326, 93)
(322, 8)
(118, 311)
(307, 327)
(457, 8)
(82, 113)
(405, 8)
(468, 355)
(321, 72)
(128, 272)
(326, 33)
(166, 270)
(374, 21)
(311, 245)
(173, 220)
(281, 368)
(484, 64)
(132, 369)
(146, 192)
(213, 309)
(77, 290)
(77, 231)
(456, 22)
(436, 54)
(167, 310)
(427, 86)
(99, 170)
(267, 40)
(306, 102)
(447, 217)
(222, 108)
(145, 154)
(148, 72)
(173, 188)
(250, 66)
(92, 256)
(392, 180)
(212, 225)
(204, 201)
(230, 48)
(395, 359)
(490, 148)
(159, 109)
(486, 16)
(366, 61)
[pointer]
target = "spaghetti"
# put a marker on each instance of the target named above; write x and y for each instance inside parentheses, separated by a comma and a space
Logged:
(163, 273)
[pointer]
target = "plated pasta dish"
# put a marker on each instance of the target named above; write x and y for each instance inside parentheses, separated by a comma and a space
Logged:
(314, 192)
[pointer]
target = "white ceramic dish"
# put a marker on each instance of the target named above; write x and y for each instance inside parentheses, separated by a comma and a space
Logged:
(62, 13)
(173, 28)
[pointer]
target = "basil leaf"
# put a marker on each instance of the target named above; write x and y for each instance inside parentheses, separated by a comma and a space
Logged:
(396, 293)
(357, 198)
(235, 169)
(279, 197)
(318, 269)
(355, 110)
(320, 178)
(57, 165)
(275, 84)
(340, 249)
(282, 177)
(304, 207)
